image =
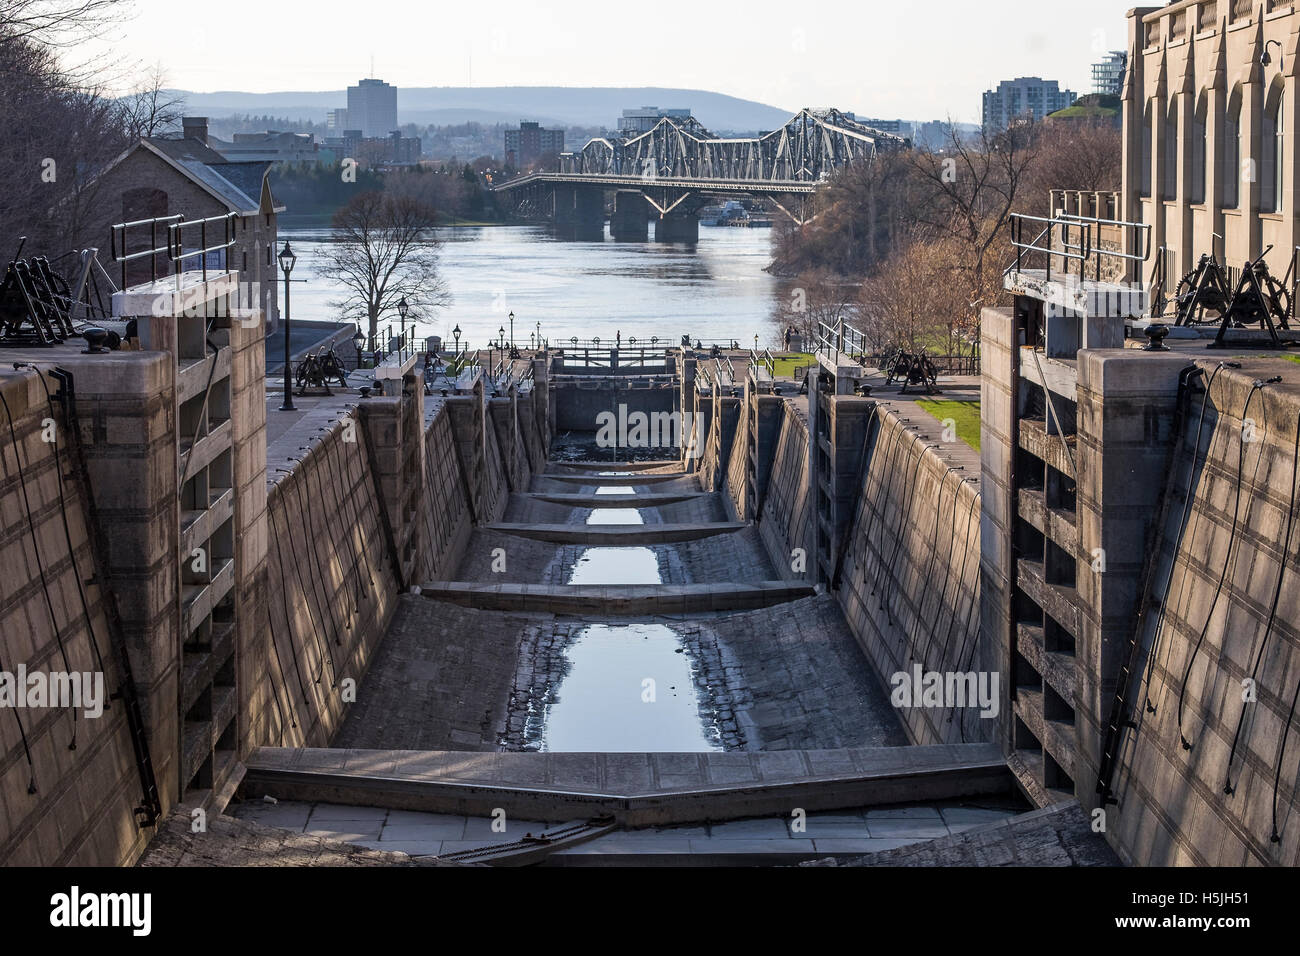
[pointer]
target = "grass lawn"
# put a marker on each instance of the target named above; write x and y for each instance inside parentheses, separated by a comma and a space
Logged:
(787, 362)
(965, 414)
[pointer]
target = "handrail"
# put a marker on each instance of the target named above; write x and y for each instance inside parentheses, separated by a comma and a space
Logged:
(117, 237)
(1071, 252)
(176, 240)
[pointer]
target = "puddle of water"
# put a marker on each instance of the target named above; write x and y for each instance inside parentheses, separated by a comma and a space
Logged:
(616, 566)
(615, 516)
(616, 490)
(601, 704)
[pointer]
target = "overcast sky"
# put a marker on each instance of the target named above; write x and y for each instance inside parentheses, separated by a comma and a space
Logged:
(914, 59)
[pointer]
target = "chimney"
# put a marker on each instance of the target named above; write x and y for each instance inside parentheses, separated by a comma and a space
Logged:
(195, 127)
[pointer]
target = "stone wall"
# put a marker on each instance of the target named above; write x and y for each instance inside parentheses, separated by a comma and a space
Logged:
(332, 588)
(1197, 735)
(908, 580)
(75, 806)
(786, 520)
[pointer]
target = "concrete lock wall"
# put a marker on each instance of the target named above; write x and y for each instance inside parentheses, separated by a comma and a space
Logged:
(62, 805)
(724, 415)
(1198, 656)
(785, 525)
(578, 404)
(332, 588)
(909, 576)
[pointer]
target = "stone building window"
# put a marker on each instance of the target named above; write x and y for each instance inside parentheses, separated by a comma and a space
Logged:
(1144, 181)
(1272, 167)
(1230, 171)
(1169, 178)
(1196, 182)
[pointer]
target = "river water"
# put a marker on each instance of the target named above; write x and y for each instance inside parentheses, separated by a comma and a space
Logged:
(716, 290)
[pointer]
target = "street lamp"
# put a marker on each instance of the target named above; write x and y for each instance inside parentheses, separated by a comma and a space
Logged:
(402, 309)
(501, 337)
(539, 334)
(512, 331)
(755, 341)
(287, 260)
(455, 334)
(359, 343)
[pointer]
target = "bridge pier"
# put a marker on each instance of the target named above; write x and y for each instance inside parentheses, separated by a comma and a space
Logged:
(579, 213)
(678, 227)
(631, 219)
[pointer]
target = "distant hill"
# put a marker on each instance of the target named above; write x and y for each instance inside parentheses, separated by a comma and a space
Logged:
(555, 105)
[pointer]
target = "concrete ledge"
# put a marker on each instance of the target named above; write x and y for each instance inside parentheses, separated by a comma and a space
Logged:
(637, 789)
(615, 535)
(631, 478)
(601, 501)
(577, 467)
(616, 598)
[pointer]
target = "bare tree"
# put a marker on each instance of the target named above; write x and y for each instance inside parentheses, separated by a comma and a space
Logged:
(816, 297)
(383, 253)
(151, 109)
(970, 189)
(58, 23)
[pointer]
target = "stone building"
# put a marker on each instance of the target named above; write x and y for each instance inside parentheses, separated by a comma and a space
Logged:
(1209, 109)
(159, 177)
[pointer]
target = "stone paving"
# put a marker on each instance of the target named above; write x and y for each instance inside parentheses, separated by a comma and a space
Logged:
(804, 836)
(1058, 835)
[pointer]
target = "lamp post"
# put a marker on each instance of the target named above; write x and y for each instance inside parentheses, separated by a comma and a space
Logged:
(402, 309)
(455, 334)
(539, 334)
(287, 260)
(359, 343)
(512, 331)
(501, 347)
(756, 342)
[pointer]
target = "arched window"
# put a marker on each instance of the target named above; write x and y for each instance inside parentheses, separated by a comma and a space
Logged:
(1169, 178)
(1272, 166)
(1144, 178)
(1230, 169)
(1196, 181)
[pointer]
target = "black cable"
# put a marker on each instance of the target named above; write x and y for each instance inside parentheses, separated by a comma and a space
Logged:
(67, 531)
(27, 751)
(1281, 756)
(40, 565)
(1182, 528)
(1272, 611)
(1228, 559)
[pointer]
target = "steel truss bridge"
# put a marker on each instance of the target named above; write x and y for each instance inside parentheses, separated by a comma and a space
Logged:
(679, 165)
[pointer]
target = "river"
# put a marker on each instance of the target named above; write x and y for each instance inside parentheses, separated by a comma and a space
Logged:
(716, 290)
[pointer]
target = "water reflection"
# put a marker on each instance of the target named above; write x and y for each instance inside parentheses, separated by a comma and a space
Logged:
(616, 566)
(629, 688)
(615, 516)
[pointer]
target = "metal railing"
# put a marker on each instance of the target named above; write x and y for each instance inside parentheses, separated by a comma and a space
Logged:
(762, 361)
(168, 237)
(119, 240)
(178, 232)
(841, 339)
(1069, 238)
(384, 345)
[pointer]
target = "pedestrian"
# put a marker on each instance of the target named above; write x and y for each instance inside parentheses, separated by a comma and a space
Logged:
(787, 338)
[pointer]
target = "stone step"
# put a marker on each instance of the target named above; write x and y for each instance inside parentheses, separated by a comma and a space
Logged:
(631, 478)
(631, 466)
(647, 500)
(616, 535)
(636, 789)
(616, 599)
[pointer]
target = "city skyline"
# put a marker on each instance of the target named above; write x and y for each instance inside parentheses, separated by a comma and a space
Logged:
(537, 45)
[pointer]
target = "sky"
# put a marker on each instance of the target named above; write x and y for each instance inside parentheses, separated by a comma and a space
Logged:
(912, 59)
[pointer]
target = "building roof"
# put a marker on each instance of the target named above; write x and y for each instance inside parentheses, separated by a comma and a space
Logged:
(238, 185)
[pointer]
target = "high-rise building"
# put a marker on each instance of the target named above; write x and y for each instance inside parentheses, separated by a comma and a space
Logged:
(638, 121)
(530, 142)
(1108, 75)
(337, 121)
(1024, 98)
(372, 107)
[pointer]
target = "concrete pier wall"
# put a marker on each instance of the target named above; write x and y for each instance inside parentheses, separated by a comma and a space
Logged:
(909, 576)
(75, 806)
(785, 524)
(1219, 669)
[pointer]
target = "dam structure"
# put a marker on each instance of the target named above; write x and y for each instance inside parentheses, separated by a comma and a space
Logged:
(648, 605)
